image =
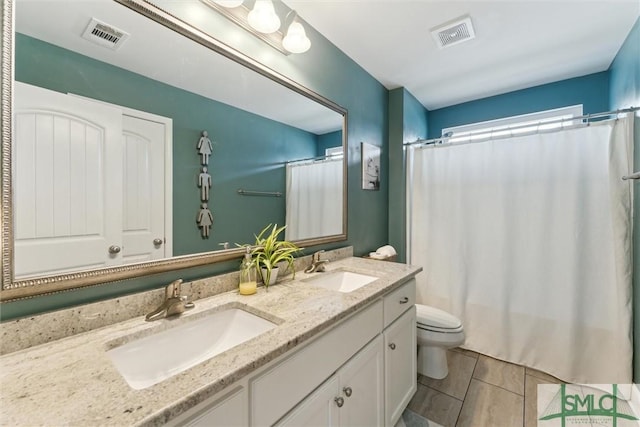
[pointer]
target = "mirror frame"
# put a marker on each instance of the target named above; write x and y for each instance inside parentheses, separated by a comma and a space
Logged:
(25, 288)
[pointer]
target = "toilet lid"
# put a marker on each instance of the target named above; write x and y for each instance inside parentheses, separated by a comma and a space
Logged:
(431, 316)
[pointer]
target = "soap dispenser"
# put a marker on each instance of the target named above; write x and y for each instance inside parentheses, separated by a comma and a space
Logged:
(248, 283)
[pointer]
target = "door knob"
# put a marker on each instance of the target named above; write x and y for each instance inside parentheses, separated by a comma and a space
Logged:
(392, 346)
(347, 391)
(113, 249)
(404, 300)
(339, 401)
(157, 242)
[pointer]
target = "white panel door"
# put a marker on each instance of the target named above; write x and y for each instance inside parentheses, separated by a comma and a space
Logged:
(144, 192)
(67, 170)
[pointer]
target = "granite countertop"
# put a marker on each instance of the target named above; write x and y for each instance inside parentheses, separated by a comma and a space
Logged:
(72, 381)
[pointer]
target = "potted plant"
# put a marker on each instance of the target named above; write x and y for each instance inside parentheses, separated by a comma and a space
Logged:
(268, 252)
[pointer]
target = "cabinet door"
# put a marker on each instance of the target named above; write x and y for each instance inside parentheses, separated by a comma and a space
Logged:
(361, 387)
(318, 409)
(400, 365)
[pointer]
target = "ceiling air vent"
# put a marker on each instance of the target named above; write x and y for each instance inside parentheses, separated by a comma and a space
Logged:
(104, 34)
(453, 32)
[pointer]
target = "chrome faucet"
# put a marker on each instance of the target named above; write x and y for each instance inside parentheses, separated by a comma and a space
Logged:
(317, 264)
(173, 304)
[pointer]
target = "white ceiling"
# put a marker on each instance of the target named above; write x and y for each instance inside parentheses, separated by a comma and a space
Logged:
(518, 43)
(161, 54)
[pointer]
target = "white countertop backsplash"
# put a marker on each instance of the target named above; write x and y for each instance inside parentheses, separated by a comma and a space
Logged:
(56, 370)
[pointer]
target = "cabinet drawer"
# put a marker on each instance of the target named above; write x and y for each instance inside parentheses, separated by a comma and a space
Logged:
(399, 301)
(229, 409)
(279, 389)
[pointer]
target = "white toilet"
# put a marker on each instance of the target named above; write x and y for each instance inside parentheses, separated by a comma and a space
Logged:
(437, 331)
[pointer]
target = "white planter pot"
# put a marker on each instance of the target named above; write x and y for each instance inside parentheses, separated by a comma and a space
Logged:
(273, 278)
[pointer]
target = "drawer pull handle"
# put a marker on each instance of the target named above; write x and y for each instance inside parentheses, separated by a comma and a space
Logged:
(339, 401)
(392, 346)
(404, 300)
(347, 391)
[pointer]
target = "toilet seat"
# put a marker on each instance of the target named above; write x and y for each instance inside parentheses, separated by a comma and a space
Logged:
(435, 320)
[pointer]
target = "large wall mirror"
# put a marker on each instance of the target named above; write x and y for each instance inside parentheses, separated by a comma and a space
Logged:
(104, 170)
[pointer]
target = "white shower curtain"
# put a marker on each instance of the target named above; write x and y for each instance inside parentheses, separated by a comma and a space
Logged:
(314, 199)
(528, 241)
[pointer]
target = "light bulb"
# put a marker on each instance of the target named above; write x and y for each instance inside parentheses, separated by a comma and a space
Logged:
(296, 40)
(229, 3)
(263, 17)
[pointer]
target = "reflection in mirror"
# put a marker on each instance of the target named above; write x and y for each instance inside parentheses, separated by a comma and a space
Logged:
(105, 160)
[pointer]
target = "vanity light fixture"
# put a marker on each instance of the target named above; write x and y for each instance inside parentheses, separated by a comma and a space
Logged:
(229, 3)
(263, 17)
(262, 21)
(296, 40)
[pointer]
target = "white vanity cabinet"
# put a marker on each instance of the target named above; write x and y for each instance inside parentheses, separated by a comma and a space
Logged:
(352, 396)
(361, 372)
(279, 388)
(390, 356)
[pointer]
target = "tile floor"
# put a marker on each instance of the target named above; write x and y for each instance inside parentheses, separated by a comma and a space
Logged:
(480, 391)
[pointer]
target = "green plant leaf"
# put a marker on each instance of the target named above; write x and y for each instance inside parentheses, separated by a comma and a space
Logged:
(269, 251)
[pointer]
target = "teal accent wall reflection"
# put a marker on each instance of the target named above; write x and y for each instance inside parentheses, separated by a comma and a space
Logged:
(592, 91)
(328, 140)
(625, 92)
(325, 70)
(249, 151)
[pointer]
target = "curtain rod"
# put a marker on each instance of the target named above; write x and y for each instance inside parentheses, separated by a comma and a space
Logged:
(585, 120)
(310, 159)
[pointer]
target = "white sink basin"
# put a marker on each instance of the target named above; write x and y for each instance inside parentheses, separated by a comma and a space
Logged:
(342, 281)
(149, 360)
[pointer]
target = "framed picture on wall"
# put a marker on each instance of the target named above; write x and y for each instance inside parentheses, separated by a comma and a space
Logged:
(370, 166)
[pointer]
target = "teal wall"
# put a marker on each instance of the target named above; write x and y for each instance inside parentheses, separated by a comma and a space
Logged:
(625, 72)
(592, 91)
(237, 160)
(625, 92)
(407, 123)
(328, 140)
(327, 71)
